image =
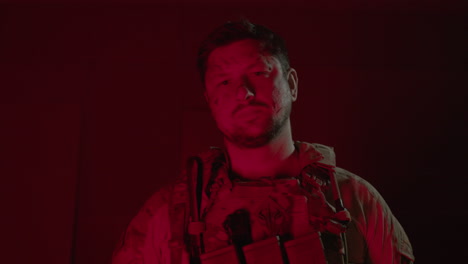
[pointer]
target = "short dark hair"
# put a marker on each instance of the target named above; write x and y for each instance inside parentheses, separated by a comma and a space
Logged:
(231, 32)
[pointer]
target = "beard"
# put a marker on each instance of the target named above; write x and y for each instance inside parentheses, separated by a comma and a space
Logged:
(271, 129)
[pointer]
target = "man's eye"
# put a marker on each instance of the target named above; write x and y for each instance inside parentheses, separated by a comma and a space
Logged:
(225, 82)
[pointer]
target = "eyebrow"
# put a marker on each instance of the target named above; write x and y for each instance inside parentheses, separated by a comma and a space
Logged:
(259, 61)
(219, 68)
(256, 64)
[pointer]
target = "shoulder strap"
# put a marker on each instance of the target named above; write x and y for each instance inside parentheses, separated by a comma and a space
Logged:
(185, 206)
(317, 179)
(195, 227)
(184, 212)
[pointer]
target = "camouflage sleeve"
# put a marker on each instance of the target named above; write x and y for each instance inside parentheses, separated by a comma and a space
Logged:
(385, 239)
(143, 239)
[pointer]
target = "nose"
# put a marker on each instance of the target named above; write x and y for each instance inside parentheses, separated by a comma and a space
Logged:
(245, 91)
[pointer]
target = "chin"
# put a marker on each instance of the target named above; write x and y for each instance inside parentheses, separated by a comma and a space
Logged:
(252, 134)
(244, 141)
(250, 137)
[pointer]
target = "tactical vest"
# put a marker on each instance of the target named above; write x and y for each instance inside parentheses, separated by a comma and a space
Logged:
(247, 222)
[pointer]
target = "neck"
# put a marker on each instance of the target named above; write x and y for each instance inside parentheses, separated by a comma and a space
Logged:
(275, 159)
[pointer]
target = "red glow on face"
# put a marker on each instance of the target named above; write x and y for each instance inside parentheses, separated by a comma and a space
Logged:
(246, 89)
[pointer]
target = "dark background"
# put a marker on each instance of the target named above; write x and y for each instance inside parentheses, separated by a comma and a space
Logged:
(101, 104)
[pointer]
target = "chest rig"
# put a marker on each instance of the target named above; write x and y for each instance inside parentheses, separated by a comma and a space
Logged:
(231, 221)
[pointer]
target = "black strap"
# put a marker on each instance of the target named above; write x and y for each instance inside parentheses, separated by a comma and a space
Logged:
(195, 185)
(184, 208)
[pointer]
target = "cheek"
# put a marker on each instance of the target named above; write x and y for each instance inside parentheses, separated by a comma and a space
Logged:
(219, 108)
(217, 96)
(223, 98)
(276, 98)
(280, 97)
(214, 99)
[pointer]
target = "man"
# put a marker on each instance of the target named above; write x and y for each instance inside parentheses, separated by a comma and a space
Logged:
(263, 189)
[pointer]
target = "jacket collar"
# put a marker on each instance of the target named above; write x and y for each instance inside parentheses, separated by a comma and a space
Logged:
(308, 153)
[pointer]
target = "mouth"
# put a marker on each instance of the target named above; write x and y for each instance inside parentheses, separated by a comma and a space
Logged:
(250, 113)
(250, 108)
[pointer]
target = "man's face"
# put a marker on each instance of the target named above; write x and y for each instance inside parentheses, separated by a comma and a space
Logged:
(249, 96)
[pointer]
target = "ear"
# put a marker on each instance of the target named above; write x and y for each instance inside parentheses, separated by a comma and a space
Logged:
(293, 83)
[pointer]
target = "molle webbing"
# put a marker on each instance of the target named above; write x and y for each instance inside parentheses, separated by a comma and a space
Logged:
(307, 249)
(179, 210)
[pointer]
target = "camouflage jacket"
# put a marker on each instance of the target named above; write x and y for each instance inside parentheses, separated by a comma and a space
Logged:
(374, 235)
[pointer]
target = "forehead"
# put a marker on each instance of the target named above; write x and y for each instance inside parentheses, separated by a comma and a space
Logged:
(242, 52)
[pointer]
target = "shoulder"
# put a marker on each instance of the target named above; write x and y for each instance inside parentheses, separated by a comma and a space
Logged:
(350, 182)
(360, 197)
(159, 198)
(148, 226)
(372, 216)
